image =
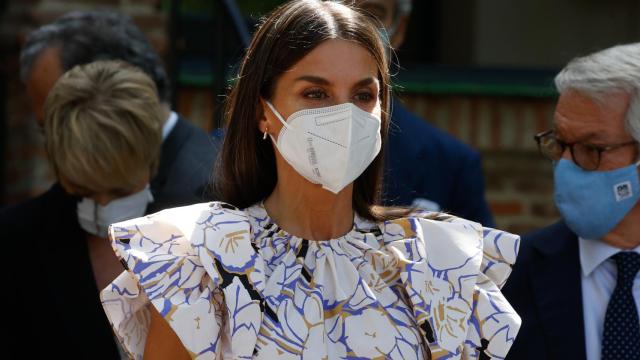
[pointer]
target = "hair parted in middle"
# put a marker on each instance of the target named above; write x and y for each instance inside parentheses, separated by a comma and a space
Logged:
(103, 126)
(246, 170)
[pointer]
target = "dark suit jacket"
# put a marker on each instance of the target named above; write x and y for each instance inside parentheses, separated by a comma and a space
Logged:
(55, 310)
(545, 290)
(424, 162)
(185, 169)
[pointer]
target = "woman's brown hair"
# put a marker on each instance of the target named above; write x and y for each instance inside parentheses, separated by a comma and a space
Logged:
(246, 172)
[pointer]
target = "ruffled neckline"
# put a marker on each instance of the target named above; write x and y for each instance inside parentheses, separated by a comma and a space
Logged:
(265, 226)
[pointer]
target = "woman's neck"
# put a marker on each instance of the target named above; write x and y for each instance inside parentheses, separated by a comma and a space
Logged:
(307, 210)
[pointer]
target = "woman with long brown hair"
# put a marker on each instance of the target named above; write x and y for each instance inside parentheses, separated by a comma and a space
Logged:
(299, 261)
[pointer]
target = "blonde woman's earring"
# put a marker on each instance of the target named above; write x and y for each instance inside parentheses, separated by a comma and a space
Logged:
(264, 137)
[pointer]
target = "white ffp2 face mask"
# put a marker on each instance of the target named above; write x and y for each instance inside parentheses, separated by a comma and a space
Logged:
(95, 218)
(330, 146)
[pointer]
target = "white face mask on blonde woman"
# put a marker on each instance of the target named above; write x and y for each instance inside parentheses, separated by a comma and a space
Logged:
(95, 218)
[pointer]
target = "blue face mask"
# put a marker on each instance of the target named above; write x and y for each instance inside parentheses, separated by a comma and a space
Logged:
(592, 203)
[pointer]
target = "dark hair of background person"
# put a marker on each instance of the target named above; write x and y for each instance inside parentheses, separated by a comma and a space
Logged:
(87, 36)
(246, 171)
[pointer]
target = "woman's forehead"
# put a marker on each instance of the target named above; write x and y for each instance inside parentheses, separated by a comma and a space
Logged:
(338, 61)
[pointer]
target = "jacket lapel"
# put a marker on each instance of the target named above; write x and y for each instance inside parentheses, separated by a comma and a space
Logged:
(558, 292)
(170, 148)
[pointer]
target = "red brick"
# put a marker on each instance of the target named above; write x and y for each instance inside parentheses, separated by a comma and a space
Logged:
(545, 209)
(534, 185)
(506, 208)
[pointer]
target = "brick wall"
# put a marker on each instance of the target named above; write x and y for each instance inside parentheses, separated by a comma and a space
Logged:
(519, 181)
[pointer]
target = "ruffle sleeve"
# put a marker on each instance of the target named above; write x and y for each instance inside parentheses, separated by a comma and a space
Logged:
(452, 270)
(197, 267)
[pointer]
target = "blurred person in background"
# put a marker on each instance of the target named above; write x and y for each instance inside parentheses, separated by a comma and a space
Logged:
(576, 282)
(58, 228)
(449, 176)
(81, 37)
(103, 132)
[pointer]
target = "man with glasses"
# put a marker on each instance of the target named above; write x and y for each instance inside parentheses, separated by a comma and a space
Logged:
(576, 282)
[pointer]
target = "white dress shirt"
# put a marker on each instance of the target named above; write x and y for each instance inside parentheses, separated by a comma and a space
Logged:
(599, 274)
(169, 125)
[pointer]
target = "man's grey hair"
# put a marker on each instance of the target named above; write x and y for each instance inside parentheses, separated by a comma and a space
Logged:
(605, 72)
(87, 36)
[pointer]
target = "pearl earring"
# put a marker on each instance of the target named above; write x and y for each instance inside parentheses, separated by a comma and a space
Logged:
(264, 137)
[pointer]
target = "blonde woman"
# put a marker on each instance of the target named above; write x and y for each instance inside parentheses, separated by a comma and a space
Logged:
(103, 132)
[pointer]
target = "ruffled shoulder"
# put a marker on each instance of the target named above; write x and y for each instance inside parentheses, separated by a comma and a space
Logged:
(453, 270)
(185, 261)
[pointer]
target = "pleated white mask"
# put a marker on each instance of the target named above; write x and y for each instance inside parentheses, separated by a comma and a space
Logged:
(95, 218)
(330, 146)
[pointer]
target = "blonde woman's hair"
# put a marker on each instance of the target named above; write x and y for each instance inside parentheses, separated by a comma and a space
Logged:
(103, 126)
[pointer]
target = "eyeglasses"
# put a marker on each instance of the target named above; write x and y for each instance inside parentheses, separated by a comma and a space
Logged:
(587, 156)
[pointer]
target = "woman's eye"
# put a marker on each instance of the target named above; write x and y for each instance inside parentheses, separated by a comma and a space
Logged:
(364, 97)
(315, 94)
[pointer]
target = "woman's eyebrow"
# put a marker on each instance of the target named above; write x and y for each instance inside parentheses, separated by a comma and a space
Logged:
(365, 82)
(322, 81)
(313, 79)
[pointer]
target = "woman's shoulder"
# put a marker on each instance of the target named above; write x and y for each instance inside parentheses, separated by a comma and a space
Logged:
(181, 219)
(214, 232)
(182, 260)
(448, 240)
(431, 226)
(453, 270)
(427, 224)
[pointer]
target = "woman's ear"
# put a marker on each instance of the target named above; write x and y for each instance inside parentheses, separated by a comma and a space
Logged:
(263, 121)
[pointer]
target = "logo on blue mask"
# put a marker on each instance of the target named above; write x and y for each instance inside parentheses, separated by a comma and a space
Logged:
(592, 203)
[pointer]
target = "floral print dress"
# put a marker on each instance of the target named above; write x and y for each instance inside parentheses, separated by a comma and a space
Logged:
(233, 285)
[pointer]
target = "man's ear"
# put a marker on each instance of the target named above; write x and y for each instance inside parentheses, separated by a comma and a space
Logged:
(401, 30)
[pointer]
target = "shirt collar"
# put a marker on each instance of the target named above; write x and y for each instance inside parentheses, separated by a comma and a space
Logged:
(169, 125)
(594, 252)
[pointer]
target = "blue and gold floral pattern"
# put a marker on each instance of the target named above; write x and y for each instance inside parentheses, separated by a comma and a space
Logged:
(233, 285)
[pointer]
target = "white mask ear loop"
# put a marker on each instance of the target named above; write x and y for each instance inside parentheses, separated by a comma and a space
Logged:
(277, 114)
